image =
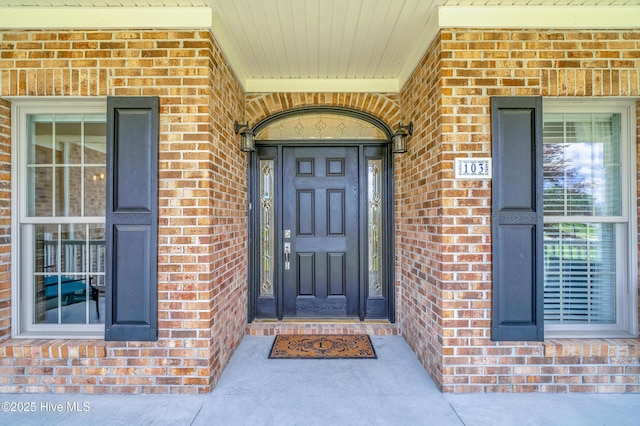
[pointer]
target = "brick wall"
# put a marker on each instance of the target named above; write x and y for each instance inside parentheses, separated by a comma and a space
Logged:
(445, 269)
(202, 232)
(420, 216)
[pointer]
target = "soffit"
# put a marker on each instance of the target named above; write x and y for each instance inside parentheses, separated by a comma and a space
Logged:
(321, 45)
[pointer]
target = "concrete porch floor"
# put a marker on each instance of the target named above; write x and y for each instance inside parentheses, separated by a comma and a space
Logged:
(391, 390)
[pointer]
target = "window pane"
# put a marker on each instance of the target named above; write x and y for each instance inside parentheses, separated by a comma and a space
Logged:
(70, 180)
(40, 140)
(374, 226)
(579, 273)
(95, 137)
(68, 141)
(40, 197)
(68, 190)
(96, 249)
(582, 167)
(267, 226)
(95, 191)
(64, 168)
(68, 275)
(321, 125)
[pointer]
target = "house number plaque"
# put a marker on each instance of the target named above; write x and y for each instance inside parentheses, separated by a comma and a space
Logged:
(472, 168)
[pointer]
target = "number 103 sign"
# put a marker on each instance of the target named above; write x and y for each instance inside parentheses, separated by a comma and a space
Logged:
(473, 168)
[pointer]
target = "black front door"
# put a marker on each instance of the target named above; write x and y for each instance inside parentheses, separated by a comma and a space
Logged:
(320, 202)
(321, 234)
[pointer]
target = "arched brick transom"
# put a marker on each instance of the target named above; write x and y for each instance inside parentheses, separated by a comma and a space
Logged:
(385, 106)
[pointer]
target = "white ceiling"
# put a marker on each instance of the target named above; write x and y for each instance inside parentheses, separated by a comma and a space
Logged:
(295, 45)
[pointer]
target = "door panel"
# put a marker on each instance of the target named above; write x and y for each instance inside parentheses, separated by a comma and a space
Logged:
(321, 200)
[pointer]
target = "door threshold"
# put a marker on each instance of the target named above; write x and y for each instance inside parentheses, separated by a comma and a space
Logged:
(266, 327)
(322, 321)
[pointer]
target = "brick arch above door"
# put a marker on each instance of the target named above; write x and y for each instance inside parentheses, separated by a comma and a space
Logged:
(385, 106)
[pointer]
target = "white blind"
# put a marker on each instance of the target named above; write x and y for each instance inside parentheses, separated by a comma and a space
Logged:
(581, 181)
(582, 169)
(580, 273)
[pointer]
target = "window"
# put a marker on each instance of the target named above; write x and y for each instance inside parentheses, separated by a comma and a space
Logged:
(59, 214)
(589, 220)
(320, 125)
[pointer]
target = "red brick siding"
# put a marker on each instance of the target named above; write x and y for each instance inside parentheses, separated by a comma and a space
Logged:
(445, 273)
(420, 216)
(203, 231)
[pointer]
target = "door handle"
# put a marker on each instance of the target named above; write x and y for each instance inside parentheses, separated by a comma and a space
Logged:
(287, 251)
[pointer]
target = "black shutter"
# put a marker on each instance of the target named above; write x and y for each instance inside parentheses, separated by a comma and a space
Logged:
(132, 219)
(516, 214)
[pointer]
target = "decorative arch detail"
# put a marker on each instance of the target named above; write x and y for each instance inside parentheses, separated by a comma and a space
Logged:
(384, 106)
(322, 122)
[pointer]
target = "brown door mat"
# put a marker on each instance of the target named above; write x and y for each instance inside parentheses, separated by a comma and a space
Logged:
(322, 346)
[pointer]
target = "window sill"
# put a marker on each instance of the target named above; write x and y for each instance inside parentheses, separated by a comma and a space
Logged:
(592, 347)
(53, 348)
(48, 334)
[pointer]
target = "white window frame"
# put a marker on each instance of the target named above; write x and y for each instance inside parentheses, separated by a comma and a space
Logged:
(22, 325)
(626, 236)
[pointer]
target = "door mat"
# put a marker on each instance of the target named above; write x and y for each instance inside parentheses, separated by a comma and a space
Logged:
(322, 346)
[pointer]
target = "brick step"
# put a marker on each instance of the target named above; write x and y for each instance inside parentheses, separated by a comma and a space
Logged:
(315, 326)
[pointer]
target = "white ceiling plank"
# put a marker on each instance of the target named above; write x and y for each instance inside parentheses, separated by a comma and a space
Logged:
(313, 39)
(234, 41)
(410, 35)
(344, 30)
(361, 41)
(419, 48)
(257, 38)
(280, 23)
(278, 18)
(383, 67)
(351, 85)
(224, 39)
(326, 31)
(349, 30)
(380, 29)
(270, 57)
(338, 29)
(299, 41)
(401, 39)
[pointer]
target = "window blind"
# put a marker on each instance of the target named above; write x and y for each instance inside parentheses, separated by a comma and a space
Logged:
(582, 186)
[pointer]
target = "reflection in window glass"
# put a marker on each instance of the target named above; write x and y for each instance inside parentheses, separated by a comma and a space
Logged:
(582, 168)
(68, 180)
(68, 275)
(65, 168)
(582, 180)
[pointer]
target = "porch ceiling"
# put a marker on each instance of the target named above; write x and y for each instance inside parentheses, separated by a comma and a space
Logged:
(321, 45)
